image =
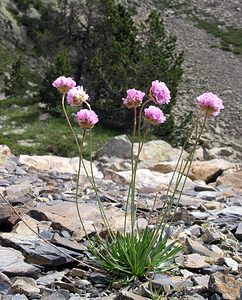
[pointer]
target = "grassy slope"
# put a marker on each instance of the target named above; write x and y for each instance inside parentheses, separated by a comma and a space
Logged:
(50, 136)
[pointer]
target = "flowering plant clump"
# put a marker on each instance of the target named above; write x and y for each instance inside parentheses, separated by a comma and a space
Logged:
(135, 251)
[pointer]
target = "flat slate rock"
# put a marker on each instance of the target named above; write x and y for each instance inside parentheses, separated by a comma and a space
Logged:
(64, 217)
(12, 263)
(37, 251)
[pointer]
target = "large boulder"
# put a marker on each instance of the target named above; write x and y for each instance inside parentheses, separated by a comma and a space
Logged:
(149, 181)
(231, 178)
(208, 171)
(58, 164)
(6, 162)
(158, 151)
(119, 146)
(4, 150)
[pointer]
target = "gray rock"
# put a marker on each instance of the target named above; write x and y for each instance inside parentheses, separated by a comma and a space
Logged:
(213, 269)
(196, 247)
(36, 251)
(63, 242)
(17, 190)
(226, 285)
(199, 215)
(12, 263)
(44, 117)
(238, 232)
(195, 230)
(49, 279)
(195, 297)
(15, 297)
(26, 286)
(128, 295)
(119, 146)
(201, 281)
(98, 278)
(6, 212)
(231, 263)
(211, 235)
(207, 195)
(204, 188)
(195, 261)
(218, 152)
(5, 284)
(232, 210)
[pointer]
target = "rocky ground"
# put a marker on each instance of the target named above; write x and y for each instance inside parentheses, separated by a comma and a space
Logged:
(42, 190)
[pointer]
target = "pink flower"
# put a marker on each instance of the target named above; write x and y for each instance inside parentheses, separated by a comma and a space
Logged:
(210, 103)
(154, 115)
(64, 84)
(134, 98)
(159, 92)
(76, 96)
(86, 118)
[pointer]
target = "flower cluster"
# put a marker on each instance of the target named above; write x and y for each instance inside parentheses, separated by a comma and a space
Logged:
(86, 118)
(134, 98)
(64, 84)
(160, 93)
(77, 96)
(154, 115)
(210, 103)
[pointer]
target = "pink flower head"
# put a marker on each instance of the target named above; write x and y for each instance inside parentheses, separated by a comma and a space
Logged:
(134, 98)
(76, 96)
(64, 84)
(210, 103)
(86, 118)
(159, 92)
(154, 115)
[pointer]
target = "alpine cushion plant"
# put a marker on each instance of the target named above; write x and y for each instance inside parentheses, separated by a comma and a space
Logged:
(134, 252)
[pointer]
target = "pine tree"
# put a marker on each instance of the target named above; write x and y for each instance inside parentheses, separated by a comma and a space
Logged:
(15, 84)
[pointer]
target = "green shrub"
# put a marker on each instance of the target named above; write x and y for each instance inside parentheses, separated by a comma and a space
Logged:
(131, 56)
(111, 53)
(15, 84)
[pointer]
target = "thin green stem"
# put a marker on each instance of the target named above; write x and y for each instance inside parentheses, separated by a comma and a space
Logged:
(133, 174)
(198, 136)
(132, 157)
(75, 136)
(166, 214)
(77, 182)
(101, 208)
(80, 155)
(163, 214)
